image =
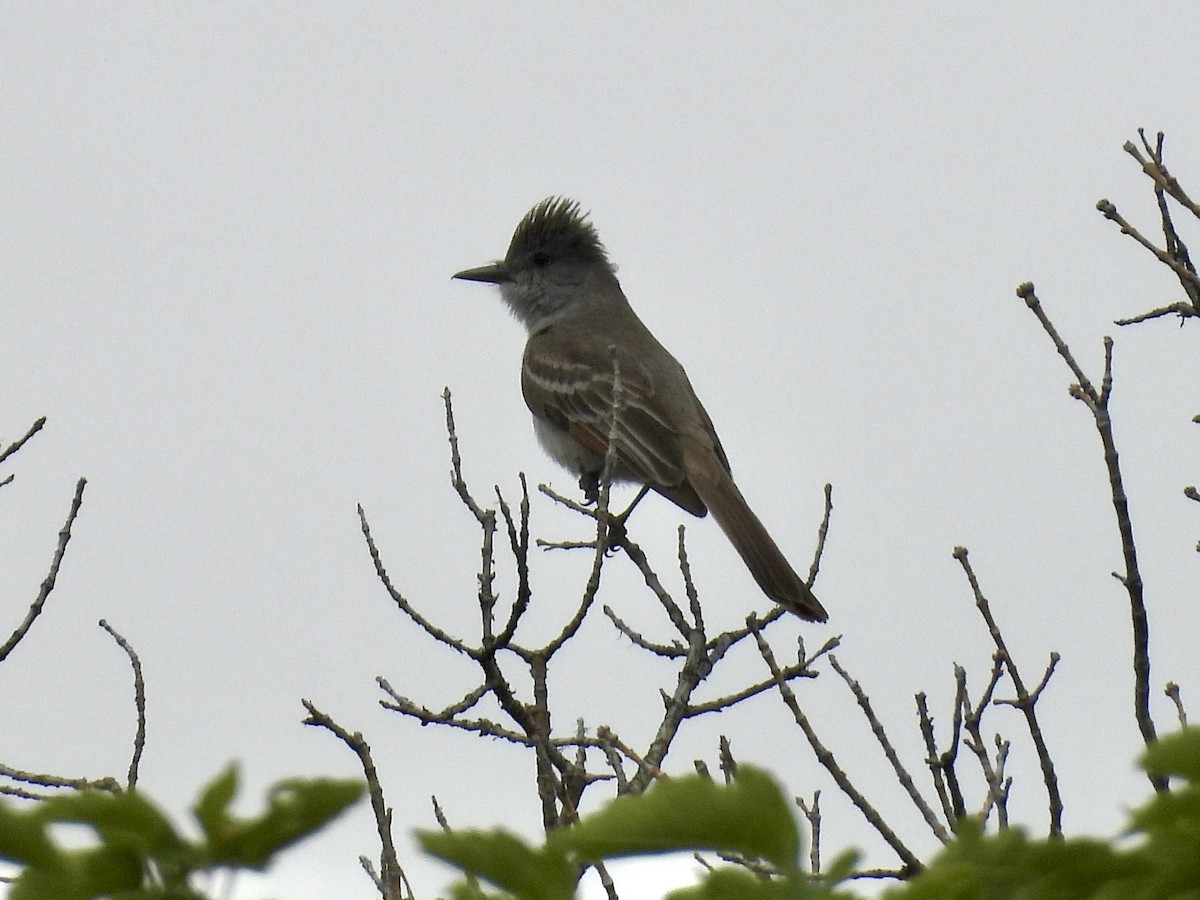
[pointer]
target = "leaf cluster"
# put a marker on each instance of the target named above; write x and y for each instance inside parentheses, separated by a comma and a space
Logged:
(140, 855)
(751, 819)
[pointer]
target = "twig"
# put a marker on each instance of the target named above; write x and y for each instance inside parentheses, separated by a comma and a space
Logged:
(932, 758)
(1172, 691)
(725, 755)
(864, 703)
(1163, 179)
(972, 718)
(822, 534)
(697, 664)
(1181, 309)
(440, 815)
(812, 812)
(912, 865)
(391, 876)
(787, 673)
(674, 650)
(519, 541)
(650, 577)
(35, 608)
(1025, 701)
(942, 765)
(1180, 269)
(20, 442)
(428, 627)
(139, 702)
(1175, 252)
(1097, 404)
(57, 781)
(610, 739)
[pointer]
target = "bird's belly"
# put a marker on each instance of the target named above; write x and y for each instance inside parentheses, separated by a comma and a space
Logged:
(567, 452)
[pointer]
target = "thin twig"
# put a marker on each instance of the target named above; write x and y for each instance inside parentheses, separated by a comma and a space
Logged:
(825, 757)
(972, 718)
(1179, 268)
(812, 812)
(428, 627)
(1172, 691)
(39, 602)
(20, 442)
(1097, 403)
(822, 534)
(1025, 701)
(57, 781)
(932, 758)
(1157, 171)
(139, 702)
(787, 673)
(391, 876)
(864, 703)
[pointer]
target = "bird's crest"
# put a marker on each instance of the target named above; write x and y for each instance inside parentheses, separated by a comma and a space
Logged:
(557, 225)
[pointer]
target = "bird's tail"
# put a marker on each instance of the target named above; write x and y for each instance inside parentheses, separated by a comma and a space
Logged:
(755, 546)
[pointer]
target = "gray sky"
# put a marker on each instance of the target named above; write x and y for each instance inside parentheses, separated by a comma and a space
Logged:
(228, 236)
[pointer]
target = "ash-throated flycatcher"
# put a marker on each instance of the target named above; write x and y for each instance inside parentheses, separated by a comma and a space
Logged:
(557, 279)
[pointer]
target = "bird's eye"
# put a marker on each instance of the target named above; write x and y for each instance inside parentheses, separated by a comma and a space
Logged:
(541, 258)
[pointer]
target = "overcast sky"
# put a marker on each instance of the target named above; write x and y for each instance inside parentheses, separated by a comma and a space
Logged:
(228, 235)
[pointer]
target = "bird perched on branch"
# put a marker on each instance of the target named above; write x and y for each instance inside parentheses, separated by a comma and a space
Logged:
(593, 374)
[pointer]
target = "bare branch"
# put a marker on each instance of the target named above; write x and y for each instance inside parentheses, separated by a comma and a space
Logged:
(56, 781)
(1026, 292)
(609, 737)
(728, 763)
(1163, 179)
(1181, 309)
(674, 650)
(20, 442)
(440, 815)
(972, 717)
(812, 812)
(1172, 691)
(139, 702)
(864, 703)
(1179, 268)
(39, 602)
(1131, 579)
(787, 673)
(932, 758)
(1025, 701)
(391, 878)
(912, 865)
(519, 541)
(428, 627)
(822, 534)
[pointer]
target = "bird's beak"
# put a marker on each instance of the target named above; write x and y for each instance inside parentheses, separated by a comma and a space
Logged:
(496, 273)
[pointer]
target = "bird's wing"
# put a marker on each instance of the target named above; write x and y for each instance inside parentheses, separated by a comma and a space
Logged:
(567, 378)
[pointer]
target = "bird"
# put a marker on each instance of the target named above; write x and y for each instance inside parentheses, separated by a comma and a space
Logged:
(592, 373)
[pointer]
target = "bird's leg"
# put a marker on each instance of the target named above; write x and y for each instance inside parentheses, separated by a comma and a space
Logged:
(589, 483)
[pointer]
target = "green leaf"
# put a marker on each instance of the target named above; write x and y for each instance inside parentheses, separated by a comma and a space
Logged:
(1175, 754)
(506, 861)
(23, 839)
(729, 883)
(135, 838)
(212, 809)
(295, 809)
(749, 816)
(467, 890)
(1009, 864)
(127, 820)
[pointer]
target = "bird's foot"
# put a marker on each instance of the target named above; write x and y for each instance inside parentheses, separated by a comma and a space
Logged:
(590, 485)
